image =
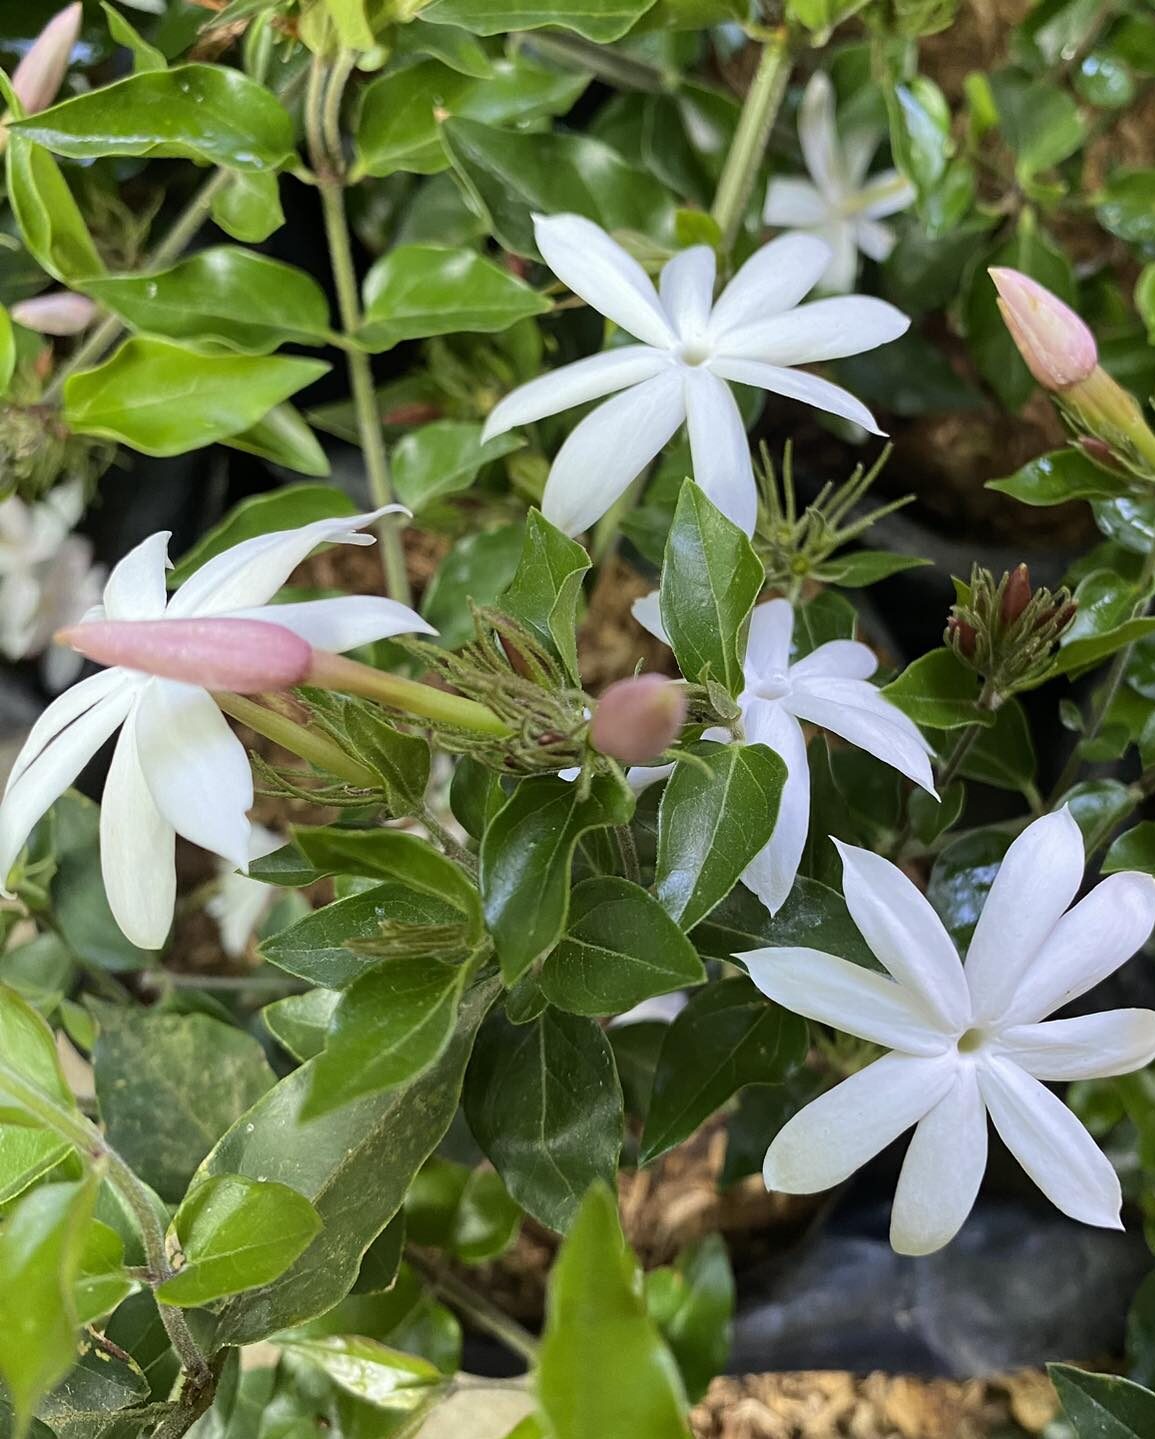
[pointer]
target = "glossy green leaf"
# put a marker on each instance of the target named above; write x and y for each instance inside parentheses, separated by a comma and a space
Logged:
(466, 1212)
(1004, 754)
(233, 297)
(285, 509)
(420, 290)
(235, 1234)
(442, 459)
(713, 819)
(283, 438)
(600, 20)
(1134, 849)
(1099, 806)
(603, 1367)
(866, 567)
(692, 1302)
(1041, 122)
(193, 112)
(169, 1085)
(1103, 1406)
(144, 55)
(728, 1035)
(1084, 654)
(249, 207)
(939, 691)
(1060, 476)
(354, 1165)
(1126, 206)
(92, 1400)
(509, 177)
(813, 917)
(450, 44)
(478, 568)
(300, 1022)
(390, 1026)
(526, 857)
(961, 880)
(28, 1050)
(7, 351)
(544, 1103)
(102, 1281)
(372, 1371)
(546, 588)
(619, 947)
(164, 399)
(710, 580)
(49, 218)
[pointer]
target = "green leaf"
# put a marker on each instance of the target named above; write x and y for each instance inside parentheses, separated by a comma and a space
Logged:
(1042, 124)
(710, 580)
(235, 1234)
(961, 880)
(354, 1165)
(1103, 1406)
(600, 20)
(544, 1103)
(372, 1371)
(49, 218)
(939, 691)
(1060, 476)
(284, 509)
(193, 112)
(416, 291)
(728, 1035)
(828, 616)
(526, 857)
(442, 459)
(249, 207)
(238, 299)
(283, 438)
(300, 1022)
(450, 44)
(478, 568)
(1003, 755)
(41, 1244)
(144, 55)
(1097, 807)
(1134, 849)
(712, 821)
(603, 1367)
(7, 351)
(813, 916)
(546, 588)
(389, 1026)
(391, 854)
(693, 1304)
(164, 399)
(28, 1049)
(102, 1281)
(1084, 654)
(1126, 206)
(467, 1212)
(169, 1085)
(509, 177)
(620, 947)
(92, 1400)
(866, 567)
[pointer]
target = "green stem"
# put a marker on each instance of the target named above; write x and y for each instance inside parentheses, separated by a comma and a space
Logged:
(759, 111)
(954, 761)
(311, 745)
(628, 850)
(476, 1307)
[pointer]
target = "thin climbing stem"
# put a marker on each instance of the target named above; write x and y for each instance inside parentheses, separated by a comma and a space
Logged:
(475, 1307)
(759, 111)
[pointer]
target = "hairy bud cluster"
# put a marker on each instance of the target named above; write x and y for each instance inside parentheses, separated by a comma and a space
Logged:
(1006, 631)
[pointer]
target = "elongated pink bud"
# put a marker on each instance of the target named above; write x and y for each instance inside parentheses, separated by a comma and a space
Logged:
(61, 313)
(241, 656)
(1058, 347)
(636, 719)
(37, 79)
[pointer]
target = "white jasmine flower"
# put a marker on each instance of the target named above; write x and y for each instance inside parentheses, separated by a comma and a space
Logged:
(968, 1041)
(828, 688)
(692, 349)
(838, 202)
(177, 767)
(239, 903)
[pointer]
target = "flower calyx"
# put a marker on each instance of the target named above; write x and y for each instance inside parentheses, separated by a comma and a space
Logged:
(1007, 631)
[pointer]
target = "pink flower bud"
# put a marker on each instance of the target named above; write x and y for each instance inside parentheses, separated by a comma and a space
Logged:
(60, 313)
(38, 77)
(1058, 347)
(241, 656)
(636, 719)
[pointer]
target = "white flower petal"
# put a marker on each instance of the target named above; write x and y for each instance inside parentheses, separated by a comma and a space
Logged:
(596, 267)
(1051, 1145)
(771, 281)
(854, 710)
(195, 767)
(906, 936)
(648, 613)
(768, 647)
(821, 330)
(1093, 1046)
(610, 448)
(63, 711)
(44, 779)
(1087, 944)
(839, 1131)
(641, 777)
(770, 874)
(858, 1001)
(136, 589)
(341, 623)
(1038, 878)
(836, 659)
(886, 193)
(575, 384)
(942, 1170)
(252, 572)
(818, 136)
(687, 290)
(840, 275)
(794, 203)
(137, 849)
(874, 239)
(797, 385)
(719, 448)
(858, 147)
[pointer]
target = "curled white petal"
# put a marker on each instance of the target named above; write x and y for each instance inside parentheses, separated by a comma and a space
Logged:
(771, 873)
(856, 711)
(648, 612)
(137, 849)
(343, 622)
(136, 589)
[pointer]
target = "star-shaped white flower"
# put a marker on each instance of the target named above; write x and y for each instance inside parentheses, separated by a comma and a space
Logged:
(968, 1041)
(838, 202)
(177, 767)
(829, 688)
(691, 350)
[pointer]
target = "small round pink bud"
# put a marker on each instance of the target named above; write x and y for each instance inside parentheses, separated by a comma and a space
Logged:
(241, 656)
(38, 77)
(1058, 347)
(636, 719)
(61, 313)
